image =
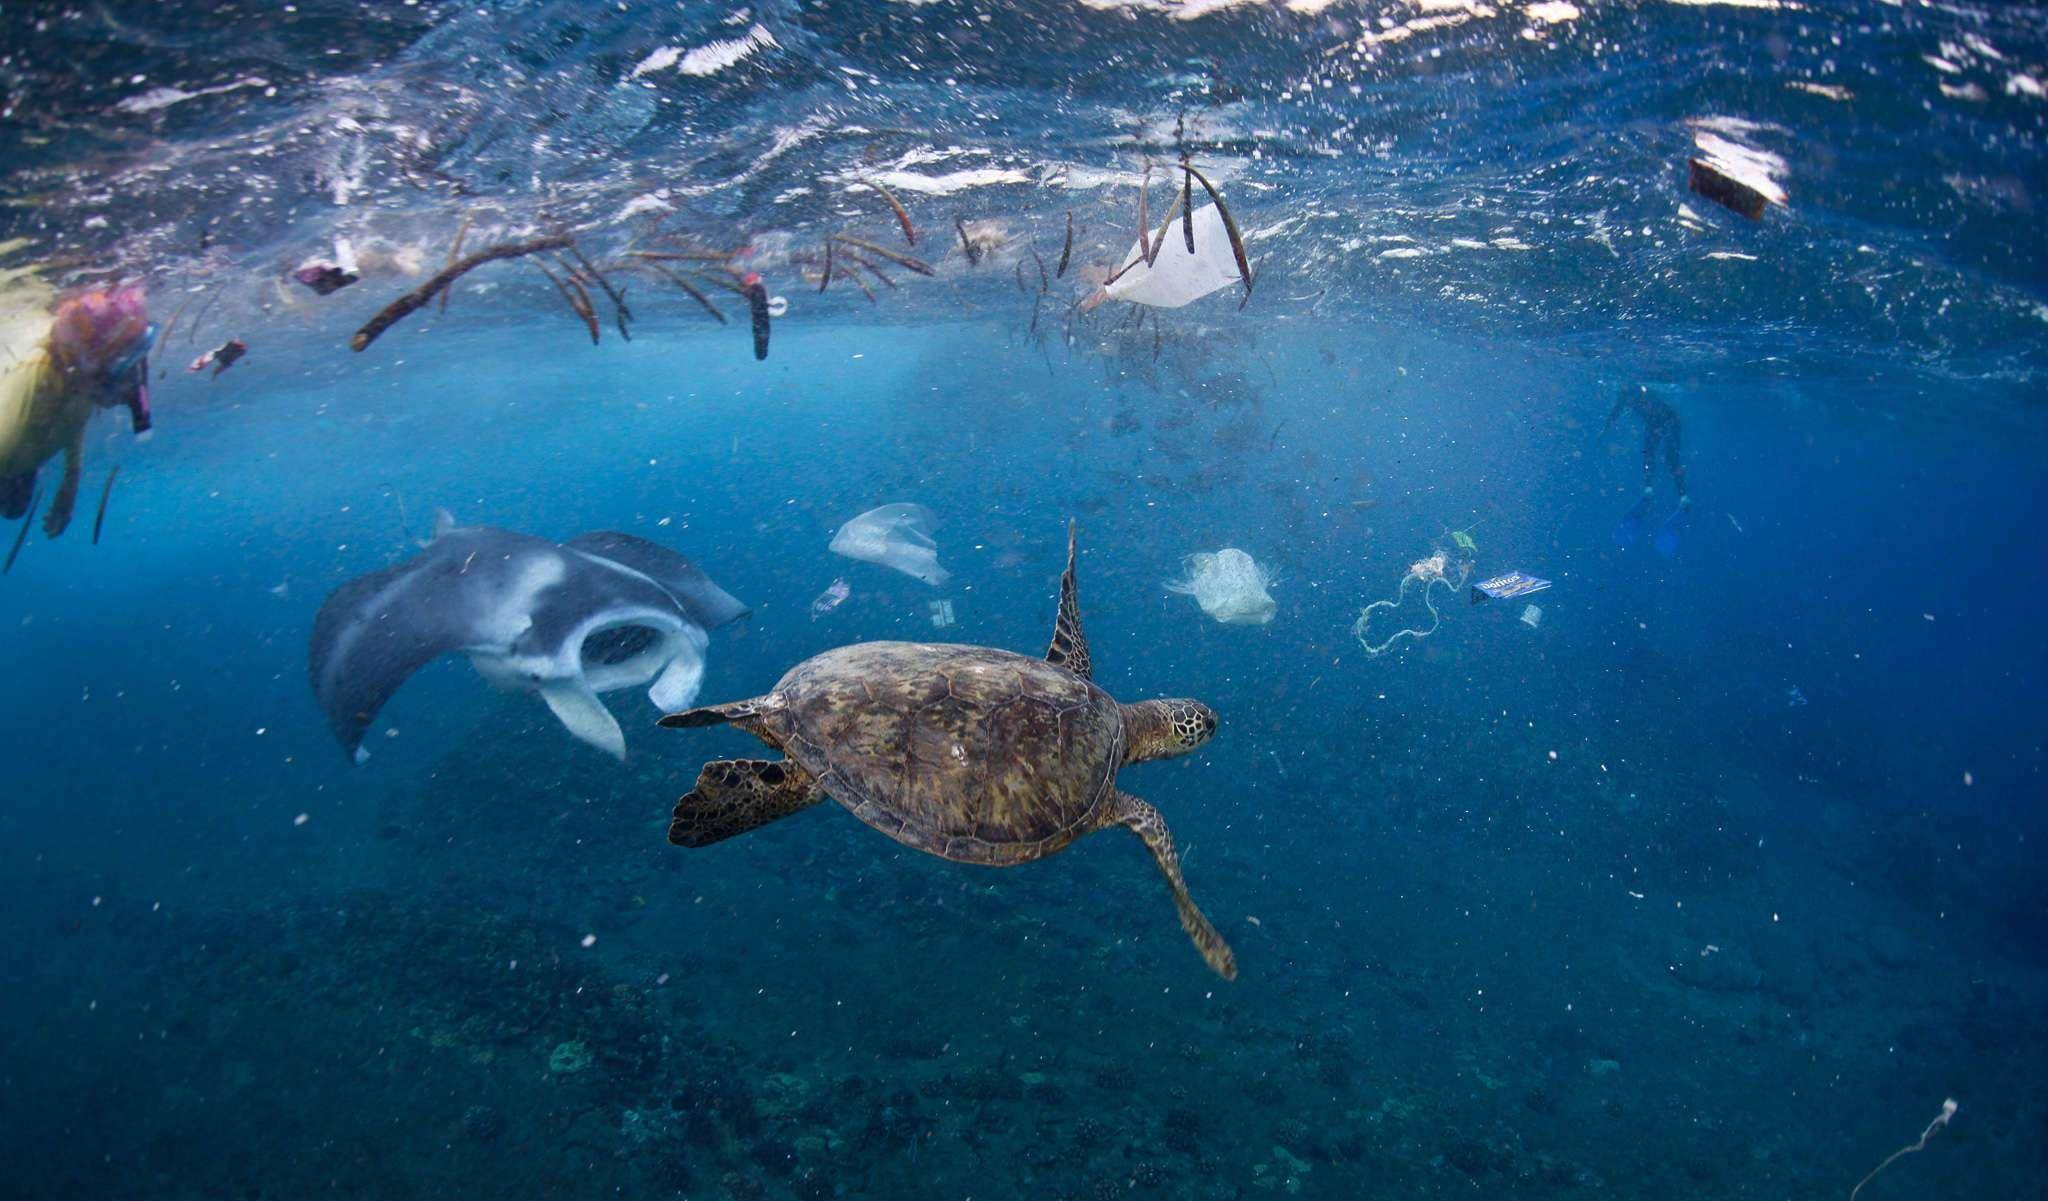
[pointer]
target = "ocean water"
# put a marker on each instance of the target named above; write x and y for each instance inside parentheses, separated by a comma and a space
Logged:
(1717, 880)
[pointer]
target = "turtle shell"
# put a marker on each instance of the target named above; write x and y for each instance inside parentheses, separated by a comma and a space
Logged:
(969, 753)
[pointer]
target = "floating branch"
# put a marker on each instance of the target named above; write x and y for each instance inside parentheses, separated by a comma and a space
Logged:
(967, 243)
(1067, 249)
(1244, 266)
(405, 305)
(1187, 205)
(454, 252)
(826, 277)
(895, 206)
(901, 260)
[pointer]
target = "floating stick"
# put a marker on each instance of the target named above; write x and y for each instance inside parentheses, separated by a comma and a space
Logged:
(1948, 1110)
(1066, 250)
(826, 278)
(872, 269)
(902, 216)
(691, 256)
(1187, 205)
(454, 252)
(405, 305)
(1244, 266)
(583, 310)
(100, 518)
(686, 286)
(848, 274)
(618, 300)
(28, 520)
(1145, 215)
(901, 260)
(967, 243)
(579, 299)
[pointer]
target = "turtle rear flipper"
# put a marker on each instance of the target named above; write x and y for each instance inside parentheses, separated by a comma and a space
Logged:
(734, 796)
(1144, 821)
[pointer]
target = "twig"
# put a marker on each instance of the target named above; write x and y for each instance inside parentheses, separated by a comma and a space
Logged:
(901, 260)
(107, 490)
(1244, 266)
(1067, 249)
(685, 285)
(902, 215)
(582, 310)
(405, 305)
(454, 252)
(618, 301)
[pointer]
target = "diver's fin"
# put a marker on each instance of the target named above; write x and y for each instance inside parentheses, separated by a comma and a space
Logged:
(1629, 530)
(578, 709)
(678, 683)
(1069, 648)
(734, 796)
(1672, 532)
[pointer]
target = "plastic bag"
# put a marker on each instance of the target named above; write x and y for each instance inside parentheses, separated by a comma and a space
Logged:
(1229, 585)
(897, 536)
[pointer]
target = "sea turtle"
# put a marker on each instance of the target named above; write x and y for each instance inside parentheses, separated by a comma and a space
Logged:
(968, 753)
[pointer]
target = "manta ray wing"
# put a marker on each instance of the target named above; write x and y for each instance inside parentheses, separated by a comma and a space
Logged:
(375, 631)
(703, 601)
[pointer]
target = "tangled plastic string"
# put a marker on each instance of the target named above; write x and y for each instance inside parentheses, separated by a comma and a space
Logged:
(1436, 569)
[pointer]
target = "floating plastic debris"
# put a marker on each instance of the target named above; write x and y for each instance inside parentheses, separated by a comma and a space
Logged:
(1436, 569)
(895, 536)
(1532, 616)
(1507, 586)
(942, 613)
(1175, 276)
(831, 598)
(1229, 585)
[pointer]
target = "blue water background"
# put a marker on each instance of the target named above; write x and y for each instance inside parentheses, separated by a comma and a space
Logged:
(1714, 884)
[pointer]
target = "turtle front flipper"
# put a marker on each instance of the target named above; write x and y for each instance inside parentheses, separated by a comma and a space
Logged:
(1069, 649)
(755, 716)
(1145, 821)
(734, 796)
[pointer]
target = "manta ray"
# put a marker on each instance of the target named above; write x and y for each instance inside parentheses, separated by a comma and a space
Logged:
(564, 621)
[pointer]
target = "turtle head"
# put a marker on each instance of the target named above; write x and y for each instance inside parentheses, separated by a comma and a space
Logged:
(1165, 729)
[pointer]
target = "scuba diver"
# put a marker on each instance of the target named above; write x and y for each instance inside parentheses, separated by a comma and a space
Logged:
(57, 370)
(1661, 429)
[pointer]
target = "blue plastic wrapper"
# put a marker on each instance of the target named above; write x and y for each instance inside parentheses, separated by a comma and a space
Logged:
(1507, 587)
